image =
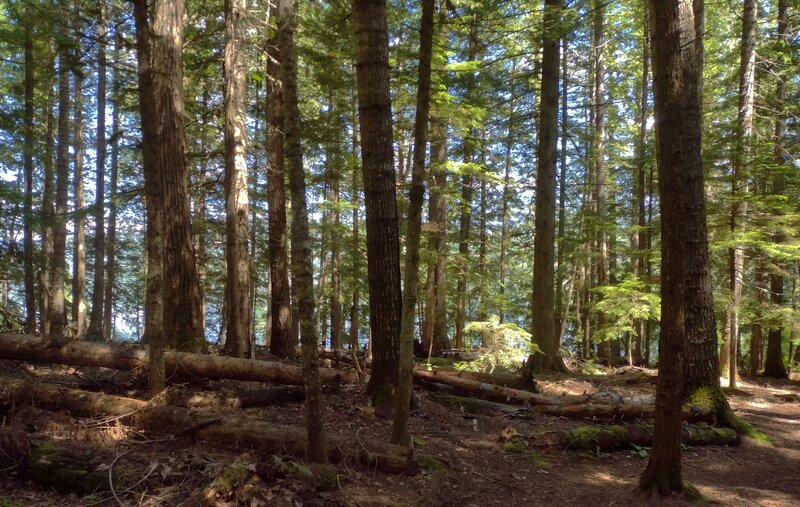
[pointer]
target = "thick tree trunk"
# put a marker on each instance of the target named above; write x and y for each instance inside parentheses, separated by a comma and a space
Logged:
(282, 341)
(237, 280)
(301, 242)
(110, 355)
(96, 329)
(79, 232)
(208, 426)
(383, 243)
(400, 434)
(544, 332)
(678, 133)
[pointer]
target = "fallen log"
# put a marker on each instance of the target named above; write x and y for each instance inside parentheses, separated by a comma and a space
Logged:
(494, 392)
(205, 425)
(36, 349)
(513, 381)
(590, 411)
(618, 437)
(251, 398)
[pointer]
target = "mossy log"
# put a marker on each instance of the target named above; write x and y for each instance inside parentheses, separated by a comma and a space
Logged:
(251, 398)
(618, 437)
(207, 425)
(65, 469)
(36, 349)
(590, 411)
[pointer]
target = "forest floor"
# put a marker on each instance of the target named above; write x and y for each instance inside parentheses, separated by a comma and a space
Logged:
(463, 461)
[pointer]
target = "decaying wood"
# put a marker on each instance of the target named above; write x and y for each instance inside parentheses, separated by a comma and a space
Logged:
(110, 355)
(206, 425)
(64, 468)
(588, 411)
(250, 398)
(513, 381)
(494, 392)
(618, 437)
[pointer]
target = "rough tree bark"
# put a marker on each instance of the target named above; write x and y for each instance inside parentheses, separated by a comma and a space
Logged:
(237, 280)
(27, 127)
(400, 434)
(544, 332)
(79, 232)
(97, 330)
(383, 243)
(301, 241)
(678, 136)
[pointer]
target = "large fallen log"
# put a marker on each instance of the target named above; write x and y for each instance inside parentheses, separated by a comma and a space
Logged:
(618, 437)
(206, 425)
(585, 411)
(513, 381)
(35, 349)
(250, 398)
(494, 392)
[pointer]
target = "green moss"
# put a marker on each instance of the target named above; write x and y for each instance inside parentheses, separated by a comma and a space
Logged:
(516, 446)
(713, 398)
(692, 494)
(234, 475)
(431, 463)
(5, 502)
(442, 361)
(597, 438)
(419, 442)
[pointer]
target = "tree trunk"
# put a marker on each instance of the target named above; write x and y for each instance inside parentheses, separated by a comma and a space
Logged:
(110, 355)
(237, 280)
(507, 181)
(57, 309)
(79, 233)
(97, 330)
(400, 434)
(465, 220)
(337, 320)
(773, 364)
(544, 332)
(639, 239)
(281, 340)
(383, 243)
(209, 426)
(483, 260)
(30, 289)
(356, 243)
(48, 210)
(678, 135)
(301, 241)
(110, 267)
(561, 240)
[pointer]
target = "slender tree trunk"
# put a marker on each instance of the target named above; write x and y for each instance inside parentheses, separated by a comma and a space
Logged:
(598, 158)
(544, 332)
(79, 233)
(96, 328)
(505, 213)
(237, 280)
(281, 339)
(483, 260)
(465, 221)
(57, 307)
(337, 320)
(110, 267)
(400, 434)
(48, 210)
(301, 241)
(199, 227)
(560, 311)
(30, 289)
(773, 364)
(383, 244)
(356, 243)
(678, 132)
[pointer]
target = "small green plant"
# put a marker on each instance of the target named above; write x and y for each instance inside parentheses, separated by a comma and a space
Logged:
(642, 452)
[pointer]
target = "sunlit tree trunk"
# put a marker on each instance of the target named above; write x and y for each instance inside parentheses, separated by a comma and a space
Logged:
(237, 280)
(79, 232)
(48, 210)
(110, 267)
(30, 289)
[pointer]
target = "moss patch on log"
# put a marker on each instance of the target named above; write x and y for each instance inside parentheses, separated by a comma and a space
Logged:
(593, 438)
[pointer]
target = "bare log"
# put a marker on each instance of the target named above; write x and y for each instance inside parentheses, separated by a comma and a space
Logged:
(618, 437)
(513, 381)
(205, 425)
(111, 355)
(495, 392)
(250, 398)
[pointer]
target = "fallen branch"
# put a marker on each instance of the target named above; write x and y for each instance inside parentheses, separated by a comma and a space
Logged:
(207, 425)
(110, 355)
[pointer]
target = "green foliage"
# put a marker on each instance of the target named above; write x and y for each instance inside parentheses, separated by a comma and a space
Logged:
(504, 345)
(623, 304)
